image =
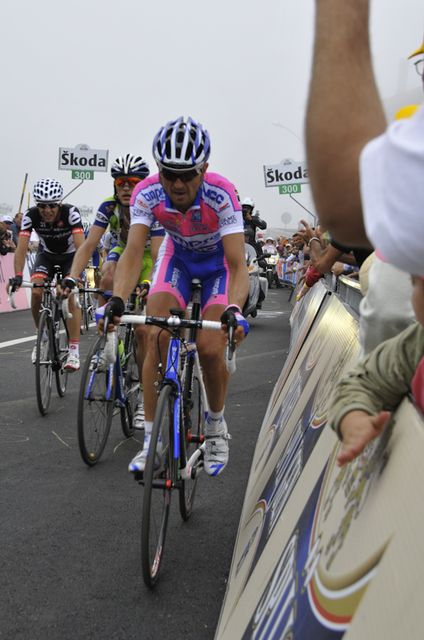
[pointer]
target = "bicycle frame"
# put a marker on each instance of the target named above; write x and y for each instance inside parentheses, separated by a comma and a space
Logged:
(116, 394)
(172, 377)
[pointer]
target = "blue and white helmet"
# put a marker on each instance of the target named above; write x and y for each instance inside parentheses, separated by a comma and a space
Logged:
(130, 165)
(181, 145)
(47, 190)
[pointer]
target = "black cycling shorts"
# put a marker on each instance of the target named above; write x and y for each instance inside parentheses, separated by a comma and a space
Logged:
(45, 262)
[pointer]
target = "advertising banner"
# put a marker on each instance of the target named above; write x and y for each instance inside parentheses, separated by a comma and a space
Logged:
(7, 271)
(350, 566)
(289, 436)
(285, 173)
(303, 315)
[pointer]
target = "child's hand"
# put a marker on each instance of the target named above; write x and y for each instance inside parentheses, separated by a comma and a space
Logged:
(358, 428)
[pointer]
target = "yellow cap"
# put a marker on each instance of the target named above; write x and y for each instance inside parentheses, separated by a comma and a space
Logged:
(406, 111)
(418, 52)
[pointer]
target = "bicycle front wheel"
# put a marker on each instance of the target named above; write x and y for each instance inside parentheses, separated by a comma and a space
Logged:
(95, 406)
(44, 362)
(158, 479)
(194, 417)
(62, 351)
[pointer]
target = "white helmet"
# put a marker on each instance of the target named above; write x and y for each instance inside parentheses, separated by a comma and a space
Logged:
(130, 165)
(248, 202)
(270, 238)
(47, 190)
(181, 145)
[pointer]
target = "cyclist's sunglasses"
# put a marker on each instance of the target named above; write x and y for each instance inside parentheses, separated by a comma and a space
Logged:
(44, 205)
(126, 180)
(184, 176)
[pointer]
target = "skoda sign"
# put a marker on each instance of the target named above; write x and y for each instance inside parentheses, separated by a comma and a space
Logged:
(82, 158)
(285, 173)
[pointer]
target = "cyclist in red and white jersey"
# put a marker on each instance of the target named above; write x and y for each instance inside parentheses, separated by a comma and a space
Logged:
(201, 214)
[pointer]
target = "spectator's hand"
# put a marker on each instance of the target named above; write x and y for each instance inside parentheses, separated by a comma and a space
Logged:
(338, 269)
(357, 429)
(307, 233)
(233, 315)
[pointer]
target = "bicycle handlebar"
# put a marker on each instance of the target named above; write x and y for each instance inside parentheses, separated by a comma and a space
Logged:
(183, 323)
(11, 292)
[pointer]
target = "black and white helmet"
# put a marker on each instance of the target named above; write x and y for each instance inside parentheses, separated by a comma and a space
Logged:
(181, 145)
(130, 165)
(47, 190)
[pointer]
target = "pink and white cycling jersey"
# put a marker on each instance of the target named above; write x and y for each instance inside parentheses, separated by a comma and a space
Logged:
(215, 213)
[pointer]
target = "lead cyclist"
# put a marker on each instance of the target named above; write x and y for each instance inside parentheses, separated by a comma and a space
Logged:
(201, 214)
(114, 213)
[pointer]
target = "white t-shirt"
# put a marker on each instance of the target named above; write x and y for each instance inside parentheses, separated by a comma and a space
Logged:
(392, 190)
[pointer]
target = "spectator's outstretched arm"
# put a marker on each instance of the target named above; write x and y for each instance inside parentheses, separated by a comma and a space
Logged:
(344, 112)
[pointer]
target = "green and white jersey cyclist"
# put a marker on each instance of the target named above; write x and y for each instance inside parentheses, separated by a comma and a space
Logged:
(113, 214)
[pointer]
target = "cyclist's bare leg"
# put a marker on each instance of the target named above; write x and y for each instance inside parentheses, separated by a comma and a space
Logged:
(74, 323)
(141, 334)
(106, 281)
(36, 298)
(211, 348)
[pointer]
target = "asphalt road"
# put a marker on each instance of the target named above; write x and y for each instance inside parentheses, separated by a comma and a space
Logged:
(69, 535)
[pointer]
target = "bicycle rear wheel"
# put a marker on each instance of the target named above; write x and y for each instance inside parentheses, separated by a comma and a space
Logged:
(194, 417)
(158, 481)
(132, 389)
(95, 411)
(62, 351)
(44, 362)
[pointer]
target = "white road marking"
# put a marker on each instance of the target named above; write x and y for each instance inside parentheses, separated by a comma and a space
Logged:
(60, 439)
(12, 343)
(126, 440)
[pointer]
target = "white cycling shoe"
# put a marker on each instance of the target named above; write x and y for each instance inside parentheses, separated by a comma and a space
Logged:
(72, 363)
(138, 463)
(216, 448)
(138, 419)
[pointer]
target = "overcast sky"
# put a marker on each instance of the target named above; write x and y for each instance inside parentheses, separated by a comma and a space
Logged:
(109, 74)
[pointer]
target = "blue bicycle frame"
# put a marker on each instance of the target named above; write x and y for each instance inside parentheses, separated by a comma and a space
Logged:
(172, 377)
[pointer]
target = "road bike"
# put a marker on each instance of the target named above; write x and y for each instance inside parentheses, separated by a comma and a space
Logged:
(109, 384)
(52, 346)
(175, 455)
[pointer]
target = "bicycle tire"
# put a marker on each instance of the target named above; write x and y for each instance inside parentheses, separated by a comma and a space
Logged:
(132, 391)
(95, 413)
(62, 351)
(44, 363)
(193, 426)
(157, 499)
